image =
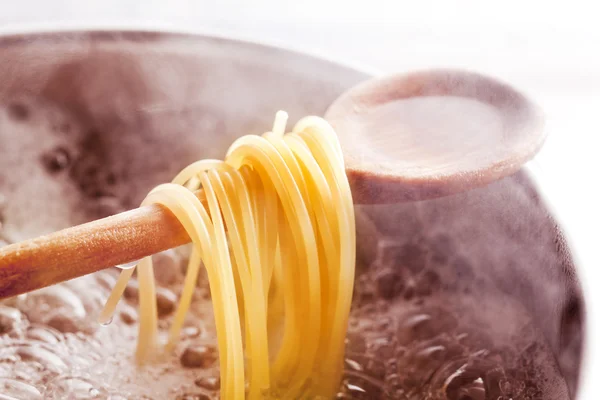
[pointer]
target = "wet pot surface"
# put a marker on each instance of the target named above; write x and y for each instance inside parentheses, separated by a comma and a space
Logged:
(472, 296)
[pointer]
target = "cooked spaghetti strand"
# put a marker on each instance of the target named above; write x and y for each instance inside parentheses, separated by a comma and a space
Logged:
(274, 228)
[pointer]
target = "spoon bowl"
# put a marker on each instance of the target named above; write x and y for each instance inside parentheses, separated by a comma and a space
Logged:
(432, 133)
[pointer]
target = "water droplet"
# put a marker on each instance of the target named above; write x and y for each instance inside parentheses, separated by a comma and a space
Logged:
(129, 265)
(107, 322)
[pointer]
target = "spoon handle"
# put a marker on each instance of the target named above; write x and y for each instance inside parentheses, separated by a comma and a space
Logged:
(87, 248)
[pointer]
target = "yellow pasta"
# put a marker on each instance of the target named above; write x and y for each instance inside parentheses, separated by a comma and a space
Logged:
(275, 231)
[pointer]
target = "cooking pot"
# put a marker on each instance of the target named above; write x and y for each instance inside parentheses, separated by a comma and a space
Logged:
(470, 296)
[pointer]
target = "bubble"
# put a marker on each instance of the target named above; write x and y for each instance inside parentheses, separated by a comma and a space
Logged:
(44, 334)
(131, 290)
(68, 307)
(83, 351)
(431, 353)
(466, 381)
(63, 323)
(39, 304)
(166, 301)
(418, 326)
(355, 342)
(14, 389)
(389, 284)
(198, 356)
(90, 171)
(128, 315)
(353, 365)
(11, 320)
(56, 160)
(166, 266)
(92, 296)
(354, 388)
(72, 388)
(42, 355)
(409, 291)
(427, 283)
(362, 385)
(31, 362)
(191, 331)
(208, 382)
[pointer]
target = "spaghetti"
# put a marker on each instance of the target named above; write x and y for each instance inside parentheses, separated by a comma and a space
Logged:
(274, 227)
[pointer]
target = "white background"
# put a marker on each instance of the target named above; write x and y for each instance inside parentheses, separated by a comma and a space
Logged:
(550, 50)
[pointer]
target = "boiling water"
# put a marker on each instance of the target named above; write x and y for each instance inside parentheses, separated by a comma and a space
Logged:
(434, 316)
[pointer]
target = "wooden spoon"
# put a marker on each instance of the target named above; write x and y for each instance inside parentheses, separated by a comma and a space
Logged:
(405, 137)
(432, 133)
